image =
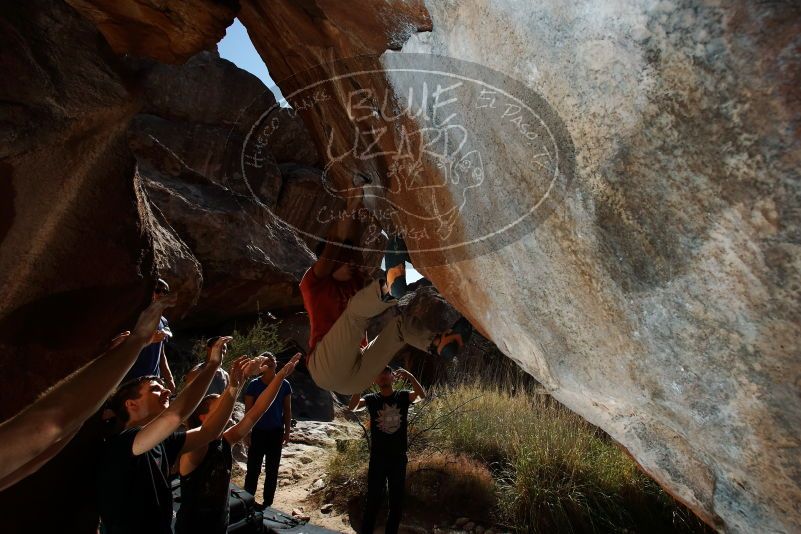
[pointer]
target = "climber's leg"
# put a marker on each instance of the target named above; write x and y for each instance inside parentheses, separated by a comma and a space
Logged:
(334, 357)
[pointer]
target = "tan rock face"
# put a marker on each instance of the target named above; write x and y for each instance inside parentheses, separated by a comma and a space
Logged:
(656, 301)
(659, 295)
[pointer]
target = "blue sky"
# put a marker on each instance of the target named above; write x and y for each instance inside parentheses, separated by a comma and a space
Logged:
(237, 48)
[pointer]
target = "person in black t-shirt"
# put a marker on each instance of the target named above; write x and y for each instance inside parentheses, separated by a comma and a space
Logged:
(389, 411)
(132, 480)
(206, 472)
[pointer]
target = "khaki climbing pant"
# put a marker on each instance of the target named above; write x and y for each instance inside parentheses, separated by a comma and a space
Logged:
(339, 364)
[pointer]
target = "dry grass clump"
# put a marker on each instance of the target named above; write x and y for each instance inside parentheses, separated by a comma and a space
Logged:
(453, 483)
(259, 337)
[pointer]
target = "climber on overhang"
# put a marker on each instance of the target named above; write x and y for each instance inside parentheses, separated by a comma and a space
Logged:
(340, 300)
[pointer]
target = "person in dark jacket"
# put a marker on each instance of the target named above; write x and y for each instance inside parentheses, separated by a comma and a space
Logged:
(206, 472)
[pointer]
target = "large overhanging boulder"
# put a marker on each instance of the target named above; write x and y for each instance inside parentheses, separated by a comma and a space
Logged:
(170, 31)
(657, 291)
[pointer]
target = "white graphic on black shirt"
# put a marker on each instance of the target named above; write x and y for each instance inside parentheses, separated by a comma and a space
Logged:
(389, 419)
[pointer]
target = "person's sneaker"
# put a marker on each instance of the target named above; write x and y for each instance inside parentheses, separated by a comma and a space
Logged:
(386, 294)
(395, 259)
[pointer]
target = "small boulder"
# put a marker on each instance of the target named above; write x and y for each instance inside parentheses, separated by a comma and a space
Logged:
(327, 508)
(298, 514)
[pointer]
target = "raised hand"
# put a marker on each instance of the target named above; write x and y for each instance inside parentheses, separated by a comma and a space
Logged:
(118, 339)
(237, 371)
(287, 369)
(401, 373)
(256, 365)
(148, 320)
(217, 351)
(158, 336)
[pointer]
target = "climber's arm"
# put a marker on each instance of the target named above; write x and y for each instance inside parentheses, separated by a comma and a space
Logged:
(32, 466)
(345, 230)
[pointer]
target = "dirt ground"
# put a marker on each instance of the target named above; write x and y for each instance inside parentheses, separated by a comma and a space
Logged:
(303, 464)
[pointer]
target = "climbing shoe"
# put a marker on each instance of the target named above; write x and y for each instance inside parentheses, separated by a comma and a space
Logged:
(462, 328)
(395, 259)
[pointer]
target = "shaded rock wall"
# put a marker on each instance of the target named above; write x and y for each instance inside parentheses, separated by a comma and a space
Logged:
(188, 146)
(74, 252)
(83, 129)
(169, 31)
(77, 246)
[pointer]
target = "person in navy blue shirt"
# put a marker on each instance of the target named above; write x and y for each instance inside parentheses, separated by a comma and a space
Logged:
(152, 361)
(270, 433)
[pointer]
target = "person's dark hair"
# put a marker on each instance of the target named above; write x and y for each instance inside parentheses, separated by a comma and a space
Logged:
(269, 354)
(202, 409)
(128, 391)
(212, 340)
(161, 287)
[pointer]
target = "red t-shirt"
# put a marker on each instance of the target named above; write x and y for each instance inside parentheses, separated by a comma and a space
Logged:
(325, 299)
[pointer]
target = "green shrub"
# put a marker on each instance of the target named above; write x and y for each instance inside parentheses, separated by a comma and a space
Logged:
(260, 337)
